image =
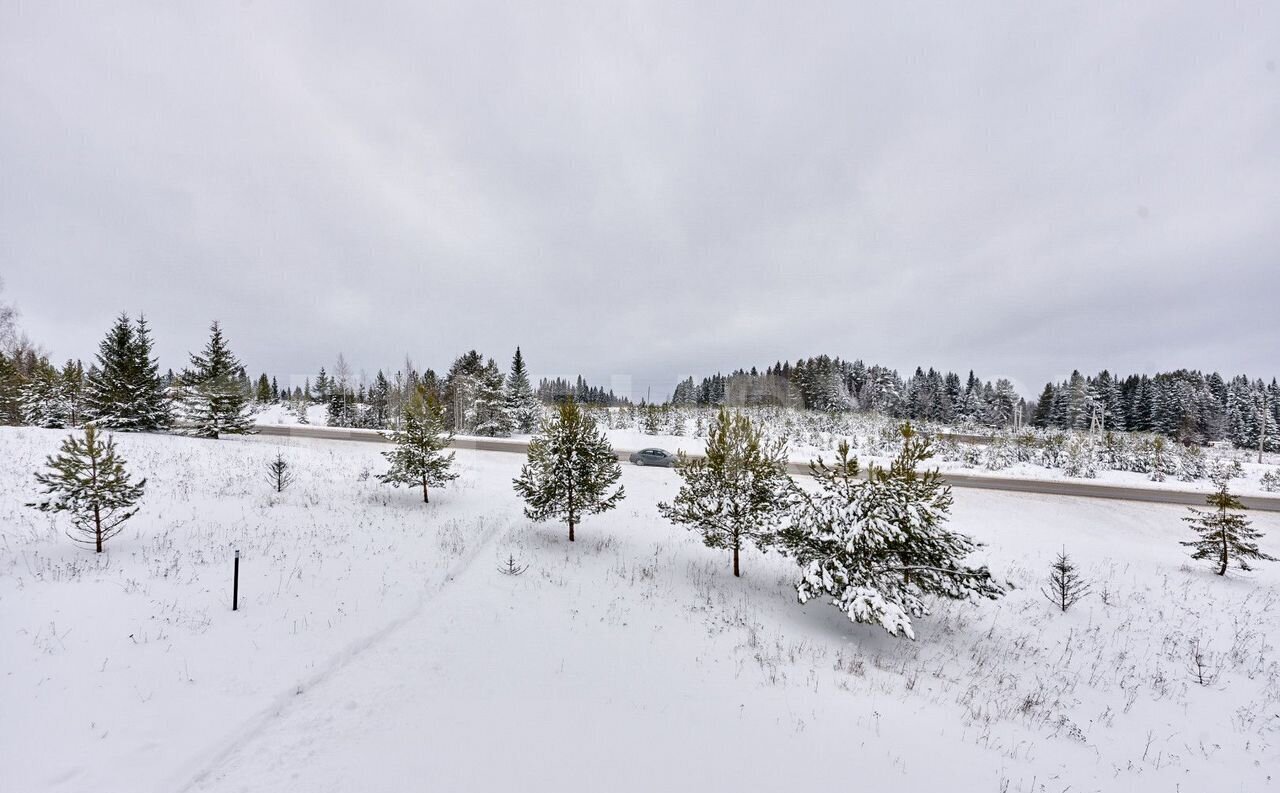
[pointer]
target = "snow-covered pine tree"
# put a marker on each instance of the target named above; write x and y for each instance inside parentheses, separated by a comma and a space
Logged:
(419, 459)
(1065, 587)
(262, 393)
(879, 548)
(153, 408)
(110, 393)
(379, 416)
(489, 414)
(738, 492)
(460, 387)
(11, 387)
(651, 420)
(45, 401)
(522, 405)
(1226, 536)
(320, 393)
(88, 481)
(571, 470)
(125, 391)
(1270, 480)
(211, 397)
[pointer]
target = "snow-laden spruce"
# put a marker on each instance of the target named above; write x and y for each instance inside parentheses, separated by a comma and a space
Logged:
(571, 470)
(879, 548)
(125, 391)
(52, 399)
(88, 481)
(738, 492)
(419, 459)
(211, 396)
(522, 404)
(1226, 536)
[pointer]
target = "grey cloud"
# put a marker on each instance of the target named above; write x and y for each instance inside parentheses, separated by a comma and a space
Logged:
(1020, 190)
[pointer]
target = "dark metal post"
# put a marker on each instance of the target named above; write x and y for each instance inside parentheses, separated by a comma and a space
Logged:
(235, 586)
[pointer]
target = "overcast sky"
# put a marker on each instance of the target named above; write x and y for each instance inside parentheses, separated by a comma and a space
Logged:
(650, 189)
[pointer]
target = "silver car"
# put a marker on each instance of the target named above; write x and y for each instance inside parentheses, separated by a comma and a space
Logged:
(660, 457)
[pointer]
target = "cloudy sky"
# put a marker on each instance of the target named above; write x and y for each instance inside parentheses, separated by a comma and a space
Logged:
(650, 190)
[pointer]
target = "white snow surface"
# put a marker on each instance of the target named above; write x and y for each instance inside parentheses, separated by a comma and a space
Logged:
(1250, 483)
(378, 648)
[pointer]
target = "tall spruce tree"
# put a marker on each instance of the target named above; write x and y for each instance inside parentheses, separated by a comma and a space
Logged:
(125, 391)
(489, 415)
(213, 399)
(88, 481)
(262, 393)
(379, 413)
(571, 470)
(522, 405)
(12, 384)
(418, 459)
(154, 407)
(880, 548)
(738, 492)
(1226, 536)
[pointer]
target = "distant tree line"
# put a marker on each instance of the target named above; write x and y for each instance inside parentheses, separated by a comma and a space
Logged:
(831, 384)
(556, 391)
(1185, 405)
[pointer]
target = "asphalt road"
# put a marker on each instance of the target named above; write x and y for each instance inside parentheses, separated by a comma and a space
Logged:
(1009, 484)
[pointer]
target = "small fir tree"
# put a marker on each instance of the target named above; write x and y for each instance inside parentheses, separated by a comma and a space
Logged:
(738, 492)
(571, 470)
(279, 473)
(88, 481)
(1065, 587)
(418, 459)
(1225, 535)
(213, 399)
(879, 548)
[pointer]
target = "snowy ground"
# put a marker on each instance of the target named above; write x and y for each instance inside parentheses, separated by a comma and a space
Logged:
(378, 647)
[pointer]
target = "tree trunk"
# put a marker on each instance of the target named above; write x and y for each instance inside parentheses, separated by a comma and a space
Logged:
(97, 513)
(425, 500)
(97, 526)
(736, 574)
(570, 511)
(1222, 569)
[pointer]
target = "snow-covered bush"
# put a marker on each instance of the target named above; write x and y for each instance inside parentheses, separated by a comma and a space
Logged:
(1078, 460)
(1192, 464)
(1271, 481)
(1000, 455)
(1053, 449)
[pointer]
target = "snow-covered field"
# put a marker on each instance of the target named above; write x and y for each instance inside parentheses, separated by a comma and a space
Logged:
(378, 647)
(869, 448)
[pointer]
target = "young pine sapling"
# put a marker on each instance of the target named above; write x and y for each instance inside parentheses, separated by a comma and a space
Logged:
(1225, 534)
(88, 481)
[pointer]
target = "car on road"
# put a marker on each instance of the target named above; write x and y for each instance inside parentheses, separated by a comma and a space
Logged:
(660, 457)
